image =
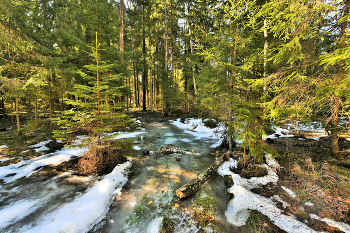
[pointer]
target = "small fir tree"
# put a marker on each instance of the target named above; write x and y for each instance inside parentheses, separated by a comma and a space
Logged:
(94, 111)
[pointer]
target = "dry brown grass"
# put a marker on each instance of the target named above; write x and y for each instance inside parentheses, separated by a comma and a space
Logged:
(101, 160)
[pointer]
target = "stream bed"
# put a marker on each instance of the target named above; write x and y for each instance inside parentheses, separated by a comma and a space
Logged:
(149, 195)
(32, 200)
(139, 195)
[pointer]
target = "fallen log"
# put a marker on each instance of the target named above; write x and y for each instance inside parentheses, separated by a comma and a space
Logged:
(170, 150)
(194, 185)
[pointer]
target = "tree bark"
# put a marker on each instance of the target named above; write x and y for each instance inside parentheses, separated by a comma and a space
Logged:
(334, 129)
(193, 186)
(121, 48)
(2, 107)
(17, 116)
(166, 81)
(337, 101)
(144, 74)
(170, 150)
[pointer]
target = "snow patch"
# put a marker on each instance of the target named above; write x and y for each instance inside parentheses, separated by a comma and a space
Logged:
(271, 162)
(254, 182)
(290, 192)
(309, 203)
(40, 146)
(196, 128)
(155, 226)
(86, 210)
(237, 211)
(279, 133)
(279, 199)
(340, 225)
(17, 211)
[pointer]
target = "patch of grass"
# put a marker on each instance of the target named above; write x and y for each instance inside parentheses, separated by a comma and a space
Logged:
(204, 210)
(260, 171)
(261, 223)
(168, 225)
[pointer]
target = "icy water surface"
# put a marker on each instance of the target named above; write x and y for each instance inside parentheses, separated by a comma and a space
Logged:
(33, 201)
(139, 195)
(149, 196)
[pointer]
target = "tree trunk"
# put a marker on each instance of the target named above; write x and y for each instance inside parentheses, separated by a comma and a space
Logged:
(193, 186)
(144, 74)
(121, 48)
(166, 81)
(98, 87)
(17, 117)
(334, 129)
(2, 107)
(337, 101)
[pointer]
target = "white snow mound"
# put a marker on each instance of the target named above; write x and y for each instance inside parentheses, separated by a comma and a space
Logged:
(86, 210)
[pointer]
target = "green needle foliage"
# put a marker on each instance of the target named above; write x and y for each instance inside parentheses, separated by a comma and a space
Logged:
(94, 109)
(95, 112)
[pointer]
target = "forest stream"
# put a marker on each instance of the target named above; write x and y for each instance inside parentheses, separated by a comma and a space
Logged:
(33, 199)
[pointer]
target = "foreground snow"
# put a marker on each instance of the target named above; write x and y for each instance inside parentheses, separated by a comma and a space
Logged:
(87, 210)
(238, 208)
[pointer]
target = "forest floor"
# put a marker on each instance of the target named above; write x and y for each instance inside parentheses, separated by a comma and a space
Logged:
(319, 183)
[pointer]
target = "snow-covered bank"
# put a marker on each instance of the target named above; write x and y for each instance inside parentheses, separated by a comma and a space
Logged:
(26, 168)
(238, 208)
(87, 210)
(237, 212)
(340, 225)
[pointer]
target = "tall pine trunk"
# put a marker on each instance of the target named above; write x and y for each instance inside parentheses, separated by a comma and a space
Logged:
(144, 74)
(98, 91)
(121, 48)
(166, 81)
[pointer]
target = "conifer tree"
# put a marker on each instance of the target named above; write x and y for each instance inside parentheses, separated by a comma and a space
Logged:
(94, 110)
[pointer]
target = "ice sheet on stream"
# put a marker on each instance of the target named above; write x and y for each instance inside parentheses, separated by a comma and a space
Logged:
(237, 212)
(96, 200)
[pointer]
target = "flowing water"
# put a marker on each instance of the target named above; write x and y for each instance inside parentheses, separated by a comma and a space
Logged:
(146, 201)
(149, 196)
